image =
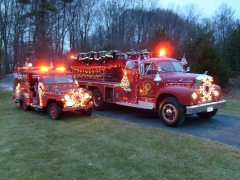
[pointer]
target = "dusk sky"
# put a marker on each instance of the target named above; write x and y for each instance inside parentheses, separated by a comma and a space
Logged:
(207, 6)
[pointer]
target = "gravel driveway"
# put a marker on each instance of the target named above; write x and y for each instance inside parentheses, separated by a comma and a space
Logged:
(222, 128)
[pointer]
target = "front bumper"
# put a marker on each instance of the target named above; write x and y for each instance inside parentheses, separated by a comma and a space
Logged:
(205, 107)
(64, 109)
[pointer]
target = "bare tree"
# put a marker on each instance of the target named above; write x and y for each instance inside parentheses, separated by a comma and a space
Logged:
(222, 21)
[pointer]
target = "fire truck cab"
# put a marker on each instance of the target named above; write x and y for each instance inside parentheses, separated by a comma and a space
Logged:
(52, 89)
(141, 81)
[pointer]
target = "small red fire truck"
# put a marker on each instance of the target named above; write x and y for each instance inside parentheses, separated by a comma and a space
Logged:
(54, 90)
(141, 81)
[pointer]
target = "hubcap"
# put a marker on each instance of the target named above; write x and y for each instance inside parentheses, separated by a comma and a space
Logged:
(53, 112)
(169, 112)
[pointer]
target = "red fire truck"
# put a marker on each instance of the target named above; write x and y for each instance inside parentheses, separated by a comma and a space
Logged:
(52, 89)
(142, 81)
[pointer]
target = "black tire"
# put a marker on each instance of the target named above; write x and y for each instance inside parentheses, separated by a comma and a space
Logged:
(171, 112)
(98, 102)
(86, 112)
(24, 105)
(54, 111)
(207, 115)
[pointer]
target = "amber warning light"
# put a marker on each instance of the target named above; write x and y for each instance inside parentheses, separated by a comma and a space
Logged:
(61, 69)
(73, 57)
(162, 52)
(45, 68)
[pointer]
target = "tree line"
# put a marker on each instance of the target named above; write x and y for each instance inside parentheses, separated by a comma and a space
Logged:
(50, 30)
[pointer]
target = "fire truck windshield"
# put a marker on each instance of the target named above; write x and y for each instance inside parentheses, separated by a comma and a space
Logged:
(170, 66)
(57, 79)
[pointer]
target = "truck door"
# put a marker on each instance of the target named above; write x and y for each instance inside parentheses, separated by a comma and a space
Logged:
(148, 87)
(129, 83)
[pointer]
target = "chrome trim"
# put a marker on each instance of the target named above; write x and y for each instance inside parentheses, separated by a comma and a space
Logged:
(203, 107)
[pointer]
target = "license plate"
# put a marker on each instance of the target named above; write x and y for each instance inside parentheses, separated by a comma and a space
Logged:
(210, 108)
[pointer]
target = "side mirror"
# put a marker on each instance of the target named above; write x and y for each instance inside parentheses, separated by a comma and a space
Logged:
(187, 69)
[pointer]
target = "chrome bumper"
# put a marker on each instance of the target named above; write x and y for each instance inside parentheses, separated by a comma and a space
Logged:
(205, 107)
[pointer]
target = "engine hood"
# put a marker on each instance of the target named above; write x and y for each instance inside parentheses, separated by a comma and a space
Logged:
(180, 77)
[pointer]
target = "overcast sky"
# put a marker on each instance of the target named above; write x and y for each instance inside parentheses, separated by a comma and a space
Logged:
(207, 6)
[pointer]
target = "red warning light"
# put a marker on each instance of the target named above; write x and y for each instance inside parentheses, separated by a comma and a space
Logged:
(162, 52)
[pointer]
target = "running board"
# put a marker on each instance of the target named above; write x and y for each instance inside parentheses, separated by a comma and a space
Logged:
(141, 104)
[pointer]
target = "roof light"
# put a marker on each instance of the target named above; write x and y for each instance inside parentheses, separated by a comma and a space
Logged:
(73, 57)
(162, 52)
(61, 69)
(45, 68)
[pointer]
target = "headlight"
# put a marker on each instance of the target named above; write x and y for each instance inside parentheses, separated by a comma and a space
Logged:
(86, 96)
(216, 93)
(69, 103)
(194, 96)
(67, 97)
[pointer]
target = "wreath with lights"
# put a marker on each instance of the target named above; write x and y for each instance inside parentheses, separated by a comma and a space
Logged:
(207, 89)
(77, 97)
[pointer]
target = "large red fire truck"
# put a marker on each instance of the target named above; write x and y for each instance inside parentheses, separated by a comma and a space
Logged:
(142, 81)
(52, 89)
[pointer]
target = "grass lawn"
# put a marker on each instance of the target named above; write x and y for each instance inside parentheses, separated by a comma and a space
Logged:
(34, 147)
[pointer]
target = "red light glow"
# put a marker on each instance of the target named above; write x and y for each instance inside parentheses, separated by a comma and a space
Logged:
(61, 69)
(164, 48)
(162, 52)
(45, 68)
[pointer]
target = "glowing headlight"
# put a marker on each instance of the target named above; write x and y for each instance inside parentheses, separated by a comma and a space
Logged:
(67, 97)
(86, 95)
(216, 93)
(194, 95)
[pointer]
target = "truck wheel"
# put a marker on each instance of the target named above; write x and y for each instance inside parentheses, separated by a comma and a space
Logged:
(86, 112)
(24, 105)
(207, 115)
(171, 112)
(54, 111)
(98, 102)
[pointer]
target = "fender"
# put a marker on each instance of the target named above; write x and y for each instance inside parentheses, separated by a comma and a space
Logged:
(182, 93)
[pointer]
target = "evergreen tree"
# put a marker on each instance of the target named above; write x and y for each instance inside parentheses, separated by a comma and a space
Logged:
(232, 49)
(203, 55)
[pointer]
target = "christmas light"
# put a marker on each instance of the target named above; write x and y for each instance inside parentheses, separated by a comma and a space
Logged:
(206, 89)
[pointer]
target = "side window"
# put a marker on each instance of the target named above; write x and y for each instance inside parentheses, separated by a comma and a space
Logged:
(150, 69)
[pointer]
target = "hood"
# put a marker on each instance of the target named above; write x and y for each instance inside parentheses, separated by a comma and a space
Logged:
(182, 77)
(61, 89)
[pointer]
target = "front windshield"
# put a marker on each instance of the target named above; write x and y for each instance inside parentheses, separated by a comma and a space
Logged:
(57, 79)
(169, 66)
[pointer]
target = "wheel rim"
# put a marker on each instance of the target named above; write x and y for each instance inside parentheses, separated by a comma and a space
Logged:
(96, 100)
(169, 112)
(24, 105)
(53, 112)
